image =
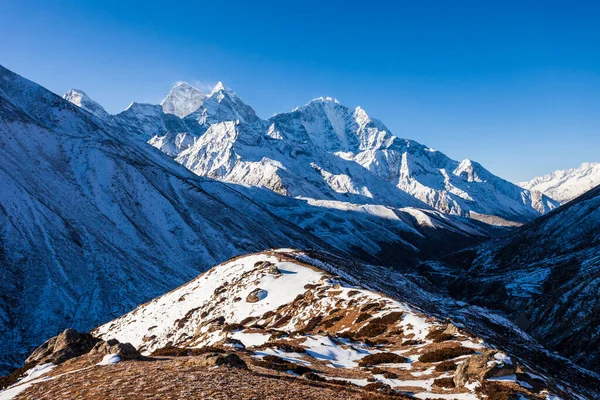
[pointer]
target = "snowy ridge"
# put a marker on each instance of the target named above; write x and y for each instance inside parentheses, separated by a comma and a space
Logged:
(565, 185)
(271, 304)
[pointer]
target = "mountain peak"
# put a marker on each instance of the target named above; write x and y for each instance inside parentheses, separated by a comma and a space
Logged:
(183, 100)
(82, 100)
(218, 87)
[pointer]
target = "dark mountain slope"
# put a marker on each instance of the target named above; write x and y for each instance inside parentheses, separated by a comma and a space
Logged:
(545, 276)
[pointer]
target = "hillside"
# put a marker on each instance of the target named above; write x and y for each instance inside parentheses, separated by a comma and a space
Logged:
(285, 316)
(545, 276)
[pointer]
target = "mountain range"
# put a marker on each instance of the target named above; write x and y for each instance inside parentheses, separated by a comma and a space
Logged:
(101, 213)
(323, 151)
(565, 185)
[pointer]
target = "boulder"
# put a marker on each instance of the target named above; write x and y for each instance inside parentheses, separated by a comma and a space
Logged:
(66, 345)
(256, 295)
(124, 350)
(70, 344)
(219, 359)
(489, 364)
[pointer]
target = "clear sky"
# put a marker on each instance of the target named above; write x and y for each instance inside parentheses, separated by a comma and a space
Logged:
(513, 85)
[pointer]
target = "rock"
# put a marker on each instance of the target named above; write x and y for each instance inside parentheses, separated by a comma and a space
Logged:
(451, 330)
(231, 342)
(489, 364)
(269, 266)
(68, 344)
(124, 350)
(218, 359)
(256, 295)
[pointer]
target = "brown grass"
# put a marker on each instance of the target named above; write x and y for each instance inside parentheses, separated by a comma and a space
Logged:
(372, 330)
(362, 317)
(381, 358)
(439, 336)
(279, 364)
(446, 366)
(11, 378)
(444, 383)
(171, 351)
(445, 354)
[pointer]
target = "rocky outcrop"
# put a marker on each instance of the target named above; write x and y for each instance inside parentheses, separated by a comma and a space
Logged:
(70, 344)
(256, 295)
(220, 359)
(489, 364)
(66, 345)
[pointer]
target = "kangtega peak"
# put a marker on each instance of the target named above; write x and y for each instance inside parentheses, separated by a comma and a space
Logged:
(565, 185)
(323, 151)
(183, 100)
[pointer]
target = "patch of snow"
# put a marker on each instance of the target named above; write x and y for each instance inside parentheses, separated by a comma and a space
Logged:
(251, 339)
(110, 359)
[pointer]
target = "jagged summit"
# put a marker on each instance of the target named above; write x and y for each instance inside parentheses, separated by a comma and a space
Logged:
(82, 100)
(183, 100)
(218, 87)
(324, 150)
(565, 185)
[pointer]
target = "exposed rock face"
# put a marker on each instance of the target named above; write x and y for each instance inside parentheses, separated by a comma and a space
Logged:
(70, 344)
(489, 364)
(67, 345)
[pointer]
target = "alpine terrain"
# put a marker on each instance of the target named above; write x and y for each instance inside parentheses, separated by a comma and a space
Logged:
(93, 223)
(101, 213)
(94, 214)
(565, 185)
(545, 276)
(323, 151)
(284, 324)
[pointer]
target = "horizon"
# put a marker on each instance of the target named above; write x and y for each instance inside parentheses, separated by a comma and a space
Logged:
(523, 102)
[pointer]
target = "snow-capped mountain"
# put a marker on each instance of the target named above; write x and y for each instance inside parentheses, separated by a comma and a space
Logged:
(82, 100)
(545, 276)
(183, 100)
(565, 185)
(325, 151)
(95, 221)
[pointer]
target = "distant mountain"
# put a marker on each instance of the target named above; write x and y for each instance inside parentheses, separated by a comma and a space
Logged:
(323, 151)
(565, 185)
(82, 100)
(183, 100)
(545, 276)
(93, 223)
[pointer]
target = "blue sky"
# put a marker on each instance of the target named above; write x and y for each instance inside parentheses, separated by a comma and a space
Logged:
(515, 85)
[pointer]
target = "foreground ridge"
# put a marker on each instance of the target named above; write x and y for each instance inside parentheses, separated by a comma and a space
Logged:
(286, 315)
